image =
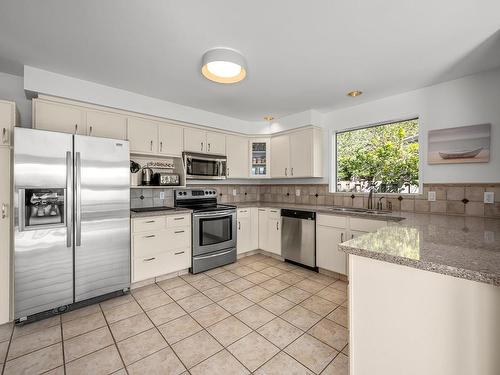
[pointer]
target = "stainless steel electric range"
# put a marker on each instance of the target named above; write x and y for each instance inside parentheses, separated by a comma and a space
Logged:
(214, 228)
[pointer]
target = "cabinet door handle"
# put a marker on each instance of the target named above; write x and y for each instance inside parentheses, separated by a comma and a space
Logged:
(90, 130)
(239, 225)
(286, 171)
(4, 135)
(352, 236)
(76, 128)
(179, 231)
(161, 146)
(277, 225)
(291, 171)
(201, 146)
(151, 145)
(4, 210)
(227, 171)
(178, 218)
(148, 259)
(209, 147)
(150, 236)
(342, 237)
(179, 253)
(150, 221)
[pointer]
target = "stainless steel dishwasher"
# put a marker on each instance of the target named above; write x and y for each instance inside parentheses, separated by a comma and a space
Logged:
(298, 237)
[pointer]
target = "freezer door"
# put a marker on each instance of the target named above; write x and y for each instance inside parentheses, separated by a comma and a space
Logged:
(102, 216)
(43, 249)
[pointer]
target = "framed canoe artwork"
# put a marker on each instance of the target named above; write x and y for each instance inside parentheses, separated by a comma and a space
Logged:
(465, 144)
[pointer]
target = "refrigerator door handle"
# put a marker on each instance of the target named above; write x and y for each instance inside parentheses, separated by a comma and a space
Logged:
(78, 221)
(22, 216)
(69, 200)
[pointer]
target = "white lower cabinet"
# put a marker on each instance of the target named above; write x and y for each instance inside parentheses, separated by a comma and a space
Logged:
(5, 231)
(160, 245)
(270, 230)
(332, 230)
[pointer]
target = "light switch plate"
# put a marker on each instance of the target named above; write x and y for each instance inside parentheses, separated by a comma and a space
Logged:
(431, 196)
(162, 195)
(297, 192)
(489, 197)
(234, 191)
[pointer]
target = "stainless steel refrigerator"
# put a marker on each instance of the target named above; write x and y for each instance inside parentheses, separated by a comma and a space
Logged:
(72, 219)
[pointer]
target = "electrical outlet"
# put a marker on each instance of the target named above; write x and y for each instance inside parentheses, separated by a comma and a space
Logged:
(234, 191)
(489, 197)
(162, 195)
(431, 196)
(297, 192)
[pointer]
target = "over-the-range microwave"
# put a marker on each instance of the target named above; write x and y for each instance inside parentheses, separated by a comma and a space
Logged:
(205, 167)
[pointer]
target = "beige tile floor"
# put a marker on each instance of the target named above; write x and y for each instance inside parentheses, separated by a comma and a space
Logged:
(259, 315)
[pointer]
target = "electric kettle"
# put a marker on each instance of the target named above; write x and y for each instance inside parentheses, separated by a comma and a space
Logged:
(147, 175)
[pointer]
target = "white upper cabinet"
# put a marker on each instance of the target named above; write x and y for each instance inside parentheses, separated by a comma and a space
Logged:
(301, 155)
(7, 121)
(216, 143)
(280, 156)
(106, 125)
(260, 155)
(170, 139)
(237, 157)
(58, 117)
(297, 154)
(195, 140)
(142, 135)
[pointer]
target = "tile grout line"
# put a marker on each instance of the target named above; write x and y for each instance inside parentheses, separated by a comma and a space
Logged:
(4, 364)
(113, 337)
(154, 325)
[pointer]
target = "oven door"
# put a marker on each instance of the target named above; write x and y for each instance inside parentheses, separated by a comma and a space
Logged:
(205, 167)
(213, 231)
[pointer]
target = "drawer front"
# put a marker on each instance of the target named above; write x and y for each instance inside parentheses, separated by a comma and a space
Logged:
(160, 264)
(366, 225)
(175, 221)
(332, 221)
(178, 238)
(148, 224)
(243, 212)
(150, 243)
(274, 213)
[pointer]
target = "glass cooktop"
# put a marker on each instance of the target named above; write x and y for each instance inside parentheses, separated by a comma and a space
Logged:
(149, 209)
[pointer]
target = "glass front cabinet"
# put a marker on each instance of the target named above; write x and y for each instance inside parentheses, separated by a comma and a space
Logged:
(259, 158)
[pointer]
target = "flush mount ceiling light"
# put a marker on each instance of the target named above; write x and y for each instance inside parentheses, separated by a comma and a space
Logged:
(269, 118)
(354, 93)
(224, 65)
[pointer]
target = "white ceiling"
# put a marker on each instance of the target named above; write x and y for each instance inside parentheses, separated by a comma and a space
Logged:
(301, 54)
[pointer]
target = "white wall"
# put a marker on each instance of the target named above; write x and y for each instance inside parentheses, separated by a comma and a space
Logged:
(470, 100)
(12, 89)
(45, 82)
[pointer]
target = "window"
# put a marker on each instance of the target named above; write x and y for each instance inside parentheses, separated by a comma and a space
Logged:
(384, 157)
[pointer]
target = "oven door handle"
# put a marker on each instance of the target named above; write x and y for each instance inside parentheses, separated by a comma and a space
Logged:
(214, 214)
(214, 255)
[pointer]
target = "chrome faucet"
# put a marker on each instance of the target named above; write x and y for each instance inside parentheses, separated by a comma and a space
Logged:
(370, 198)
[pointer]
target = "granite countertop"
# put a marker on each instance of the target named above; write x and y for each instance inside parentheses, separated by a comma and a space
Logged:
(175, 211)
(390, 216)
(464, 247)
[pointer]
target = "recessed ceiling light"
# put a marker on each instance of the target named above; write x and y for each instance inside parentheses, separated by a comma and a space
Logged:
(223, 65)
(269, 118)
(354, 93)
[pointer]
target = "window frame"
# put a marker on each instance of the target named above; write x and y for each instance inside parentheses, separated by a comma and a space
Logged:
(333, 155)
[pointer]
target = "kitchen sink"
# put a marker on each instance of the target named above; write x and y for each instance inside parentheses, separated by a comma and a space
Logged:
(360, 210)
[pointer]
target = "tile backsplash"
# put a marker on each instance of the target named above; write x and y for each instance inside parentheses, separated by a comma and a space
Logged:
(451, 199)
